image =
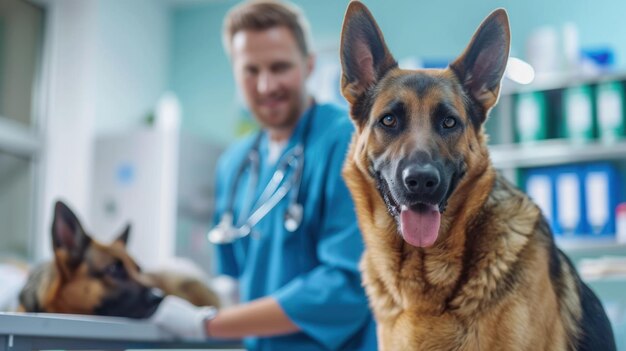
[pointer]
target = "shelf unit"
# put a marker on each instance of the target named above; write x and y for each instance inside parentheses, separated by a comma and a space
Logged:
(501, 124)
(511, 157)
(554, 152)
(591, 246)
(559, 81)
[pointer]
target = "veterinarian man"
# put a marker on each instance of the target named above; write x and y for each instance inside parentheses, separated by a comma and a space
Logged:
(295, 251)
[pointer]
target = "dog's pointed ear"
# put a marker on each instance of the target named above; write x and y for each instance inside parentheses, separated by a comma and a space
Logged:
(123, 238)
(482, 64)
(365, 57)
(69, 239)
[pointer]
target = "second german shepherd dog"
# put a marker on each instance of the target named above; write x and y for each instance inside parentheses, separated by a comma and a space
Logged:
(88, 277)
(456, 257)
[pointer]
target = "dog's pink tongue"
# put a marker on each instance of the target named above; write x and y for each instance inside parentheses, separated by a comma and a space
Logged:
(420, 228)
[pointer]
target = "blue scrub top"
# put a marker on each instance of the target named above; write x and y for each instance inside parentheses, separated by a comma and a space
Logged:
(312, 272)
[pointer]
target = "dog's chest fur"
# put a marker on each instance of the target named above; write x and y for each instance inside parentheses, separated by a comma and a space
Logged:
(448, 295)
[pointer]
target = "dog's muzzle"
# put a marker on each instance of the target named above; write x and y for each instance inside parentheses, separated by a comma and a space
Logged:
(415, 191)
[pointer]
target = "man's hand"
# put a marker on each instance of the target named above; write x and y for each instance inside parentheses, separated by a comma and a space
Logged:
(182, 318)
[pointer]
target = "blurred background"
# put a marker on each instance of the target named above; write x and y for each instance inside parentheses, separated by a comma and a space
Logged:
(121, 108)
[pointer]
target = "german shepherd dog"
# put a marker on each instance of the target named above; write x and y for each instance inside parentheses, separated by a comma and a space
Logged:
(88, 277)
(456, 257)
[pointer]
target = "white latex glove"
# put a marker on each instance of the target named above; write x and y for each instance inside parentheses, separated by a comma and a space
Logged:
(182, 318)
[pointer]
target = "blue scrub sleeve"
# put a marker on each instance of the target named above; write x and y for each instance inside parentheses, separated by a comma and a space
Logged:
(224, 258)
(328, 303)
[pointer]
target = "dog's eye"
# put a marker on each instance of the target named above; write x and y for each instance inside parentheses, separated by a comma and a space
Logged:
(116, 270)
(449, 122)
(389, 121)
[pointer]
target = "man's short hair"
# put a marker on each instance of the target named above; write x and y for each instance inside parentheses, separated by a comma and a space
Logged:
(259, 15)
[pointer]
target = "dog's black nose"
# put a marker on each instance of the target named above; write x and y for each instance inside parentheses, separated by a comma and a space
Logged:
(153, 296)
(420, 179)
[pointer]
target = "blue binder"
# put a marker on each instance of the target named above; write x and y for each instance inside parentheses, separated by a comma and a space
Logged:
(602, 195)
(539, 185)
(569, 200)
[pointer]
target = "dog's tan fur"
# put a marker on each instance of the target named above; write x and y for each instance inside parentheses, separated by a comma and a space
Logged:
(486, 282)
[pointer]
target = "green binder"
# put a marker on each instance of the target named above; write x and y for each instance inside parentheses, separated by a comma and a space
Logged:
(531, 117)
(578, 114)
(610, 111)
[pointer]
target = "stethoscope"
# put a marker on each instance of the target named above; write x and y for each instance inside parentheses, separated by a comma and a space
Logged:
(226, 231)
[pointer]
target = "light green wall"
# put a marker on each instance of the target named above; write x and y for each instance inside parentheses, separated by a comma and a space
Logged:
(130, 62)
(200, 73)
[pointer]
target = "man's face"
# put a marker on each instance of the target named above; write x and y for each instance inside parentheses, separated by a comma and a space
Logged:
(271, 71)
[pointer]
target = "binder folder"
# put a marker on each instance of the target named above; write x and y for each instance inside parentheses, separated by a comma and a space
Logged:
(601, 198)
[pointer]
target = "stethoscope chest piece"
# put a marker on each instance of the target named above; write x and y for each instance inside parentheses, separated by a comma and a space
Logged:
(293, 217)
